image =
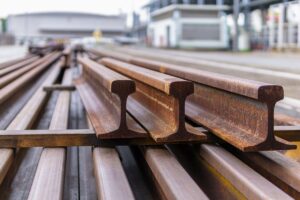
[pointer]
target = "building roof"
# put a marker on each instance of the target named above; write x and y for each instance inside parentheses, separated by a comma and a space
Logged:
(61, 13)
(189, 7)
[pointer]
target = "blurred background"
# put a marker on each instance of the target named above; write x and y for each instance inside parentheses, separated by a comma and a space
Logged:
(239, 25)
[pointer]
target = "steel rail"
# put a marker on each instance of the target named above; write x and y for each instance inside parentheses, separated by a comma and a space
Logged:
(111, 180)
(87, 137)
(289, 133)
(158, 103)
(17, 66)
(104, 94)
(250, 183)
(16, 74)
(171, 179)
(49, 177)
(25, 119)
(239, 111)
(14, 61)
(17, 84)
(277, 168)
(54, 87)
(67, 53)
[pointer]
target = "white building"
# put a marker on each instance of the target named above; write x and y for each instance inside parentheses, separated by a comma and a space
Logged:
(189, 26)
(64, 25)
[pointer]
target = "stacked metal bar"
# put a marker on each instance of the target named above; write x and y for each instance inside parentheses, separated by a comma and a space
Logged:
(120, 100)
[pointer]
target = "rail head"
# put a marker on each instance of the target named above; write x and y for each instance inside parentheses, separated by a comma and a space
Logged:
(222, 104)
(263, 92)
(104, 93)
(163, 82)
(158, 103)
(112, 81)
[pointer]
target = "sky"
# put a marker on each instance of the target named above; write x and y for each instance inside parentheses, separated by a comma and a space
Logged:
(107, 7)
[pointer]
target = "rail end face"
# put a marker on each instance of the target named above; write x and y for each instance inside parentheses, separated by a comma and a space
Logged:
(181, 89)
(123, 88)
(270, 93)
(244, 122)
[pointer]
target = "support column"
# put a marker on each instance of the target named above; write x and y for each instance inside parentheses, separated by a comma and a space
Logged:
(272, 30)
(298, 33)
(236, 11)
(247, 15)
(280, 28)
(200, 2)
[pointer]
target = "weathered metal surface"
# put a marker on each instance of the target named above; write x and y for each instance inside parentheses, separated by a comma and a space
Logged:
(54, 87)
(15, 61)
(239, 111)
(67, 53)
(158, 103)
(11, 88)
(49, 178)
(111, 179)
(289, 133)
(26, 118)
(8, 78)
(285, 120)
(17, 66)
(172, 181)
(244, 178)
(104, 94)
(277, 168)
(43, 50)
(47, 138)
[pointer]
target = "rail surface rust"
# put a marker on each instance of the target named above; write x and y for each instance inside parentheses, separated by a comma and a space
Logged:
(239, 111)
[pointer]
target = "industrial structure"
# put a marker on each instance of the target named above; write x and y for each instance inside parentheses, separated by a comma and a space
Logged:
(205, 24)
(60, 25)
(189, 26)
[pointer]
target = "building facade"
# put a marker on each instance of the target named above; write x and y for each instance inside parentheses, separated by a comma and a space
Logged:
(61, 25)
(189, 26)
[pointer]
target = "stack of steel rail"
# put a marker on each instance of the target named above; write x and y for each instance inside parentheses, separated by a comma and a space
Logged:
(115, 126)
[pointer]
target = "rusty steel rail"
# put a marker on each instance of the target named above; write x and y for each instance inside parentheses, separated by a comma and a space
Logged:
(43, 50)
(104, 94)
(54, 87)
(289, 133)
(171, 180)
(10, 63)
(239, 111)
(158, 103)
(277, 168)
(15, 85)
(87, 137)
(8, 78)
(243, 177)
(17, 66)
(108, 166)
(47, 138)
(67, 53)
